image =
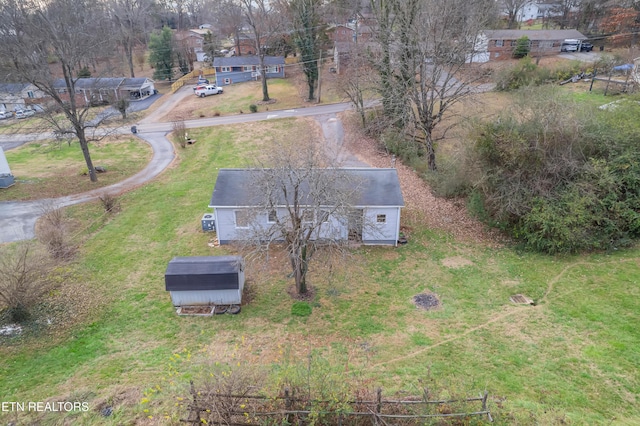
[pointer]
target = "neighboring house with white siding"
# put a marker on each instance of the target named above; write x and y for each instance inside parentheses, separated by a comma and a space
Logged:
(15, 96)
(374, 217)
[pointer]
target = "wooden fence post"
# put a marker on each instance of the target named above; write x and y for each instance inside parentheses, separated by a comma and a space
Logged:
(484, 405)
(378, 405)
(287, 405)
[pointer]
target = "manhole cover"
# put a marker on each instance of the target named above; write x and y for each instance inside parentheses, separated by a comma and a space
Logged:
(426, 301)
(521, 299)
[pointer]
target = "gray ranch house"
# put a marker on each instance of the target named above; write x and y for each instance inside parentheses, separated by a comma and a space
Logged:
(374, 218)
(237, 69)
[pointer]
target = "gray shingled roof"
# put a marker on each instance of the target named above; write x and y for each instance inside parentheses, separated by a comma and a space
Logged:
(113, 83)
(548, 35)
(379, 187)
(238, 61)
(13, 87)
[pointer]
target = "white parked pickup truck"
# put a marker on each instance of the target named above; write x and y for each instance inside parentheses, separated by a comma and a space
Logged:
(208, 90)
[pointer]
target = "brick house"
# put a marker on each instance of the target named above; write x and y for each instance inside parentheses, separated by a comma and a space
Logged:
(495, 45)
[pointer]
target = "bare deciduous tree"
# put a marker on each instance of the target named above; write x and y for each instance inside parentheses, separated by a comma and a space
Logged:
(24, 278)
(69, 33)
(307, 204)
(265, 22)
(229, 20)
(130, 18)
(359, 81)
(512, 8)
(428, 42)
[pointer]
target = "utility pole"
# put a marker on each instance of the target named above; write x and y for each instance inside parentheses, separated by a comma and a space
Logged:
(319, 74)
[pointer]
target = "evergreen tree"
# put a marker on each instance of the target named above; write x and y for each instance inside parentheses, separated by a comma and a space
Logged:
(522, 47)
(161, 57)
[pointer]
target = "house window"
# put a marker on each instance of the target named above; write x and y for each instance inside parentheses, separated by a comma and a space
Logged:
(381, 218)
(307, 216)
(546, 44)
(273, 69)
(242, 218)
(227, 81)
(323, 216)
(247, 68)
(272, 216)
(514, 43)
(499, 43)
(225, 69)
(30, 94)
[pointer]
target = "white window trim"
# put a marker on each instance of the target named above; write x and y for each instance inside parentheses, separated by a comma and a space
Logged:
(227, 81)
(269, 216)
(381, 216)
(225, 69)
(247, 68)
(499, 43)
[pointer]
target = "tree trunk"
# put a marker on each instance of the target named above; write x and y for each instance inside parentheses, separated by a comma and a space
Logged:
(431, 152)
(85, 152)
(265, 89)
(128, 51)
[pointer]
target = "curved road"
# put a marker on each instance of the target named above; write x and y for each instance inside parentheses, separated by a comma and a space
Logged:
(18, 218)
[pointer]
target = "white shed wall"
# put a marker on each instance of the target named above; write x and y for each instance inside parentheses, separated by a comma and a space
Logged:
(381, 233)
(206, 297)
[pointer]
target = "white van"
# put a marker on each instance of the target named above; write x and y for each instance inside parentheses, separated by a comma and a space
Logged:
(570, 45)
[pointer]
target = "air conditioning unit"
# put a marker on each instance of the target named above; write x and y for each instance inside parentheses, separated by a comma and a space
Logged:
(208, 222)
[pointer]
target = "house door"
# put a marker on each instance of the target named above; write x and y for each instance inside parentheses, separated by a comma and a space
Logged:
(356, 218)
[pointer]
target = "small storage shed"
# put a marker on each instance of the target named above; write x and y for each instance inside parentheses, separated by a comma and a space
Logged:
(6, 178)
(205, 280)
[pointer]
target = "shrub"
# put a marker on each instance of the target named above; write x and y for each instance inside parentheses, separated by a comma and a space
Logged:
(560, 179)
(110, 203)
(301, 309)
(52, 232)
(253, 108)
(24, 279)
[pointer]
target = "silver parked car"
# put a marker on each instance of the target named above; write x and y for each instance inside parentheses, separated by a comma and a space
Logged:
(24, 113)
(5, 114)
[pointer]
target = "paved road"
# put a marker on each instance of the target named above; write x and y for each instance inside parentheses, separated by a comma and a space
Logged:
(145, 126)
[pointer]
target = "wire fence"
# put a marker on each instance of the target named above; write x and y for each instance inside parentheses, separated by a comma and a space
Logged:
(289, 409)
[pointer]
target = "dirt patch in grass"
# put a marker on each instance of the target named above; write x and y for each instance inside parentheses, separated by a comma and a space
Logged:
(456, 262)
(426, 301)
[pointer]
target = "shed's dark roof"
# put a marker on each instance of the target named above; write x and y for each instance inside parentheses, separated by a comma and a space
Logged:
(204, 265)
(378, 187)
(203, 273)
(548, 35)
(237, 61)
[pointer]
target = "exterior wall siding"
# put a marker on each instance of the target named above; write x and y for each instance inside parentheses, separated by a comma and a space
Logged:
(206, 297)
(373, 232)
(238, 75)
(376, 231)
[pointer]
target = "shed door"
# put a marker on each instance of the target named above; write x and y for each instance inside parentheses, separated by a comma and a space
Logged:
(356, 218)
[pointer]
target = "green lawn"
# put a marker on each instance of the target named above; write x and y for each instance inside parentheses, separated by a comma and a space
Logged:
(573, 358)
(47, 169)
